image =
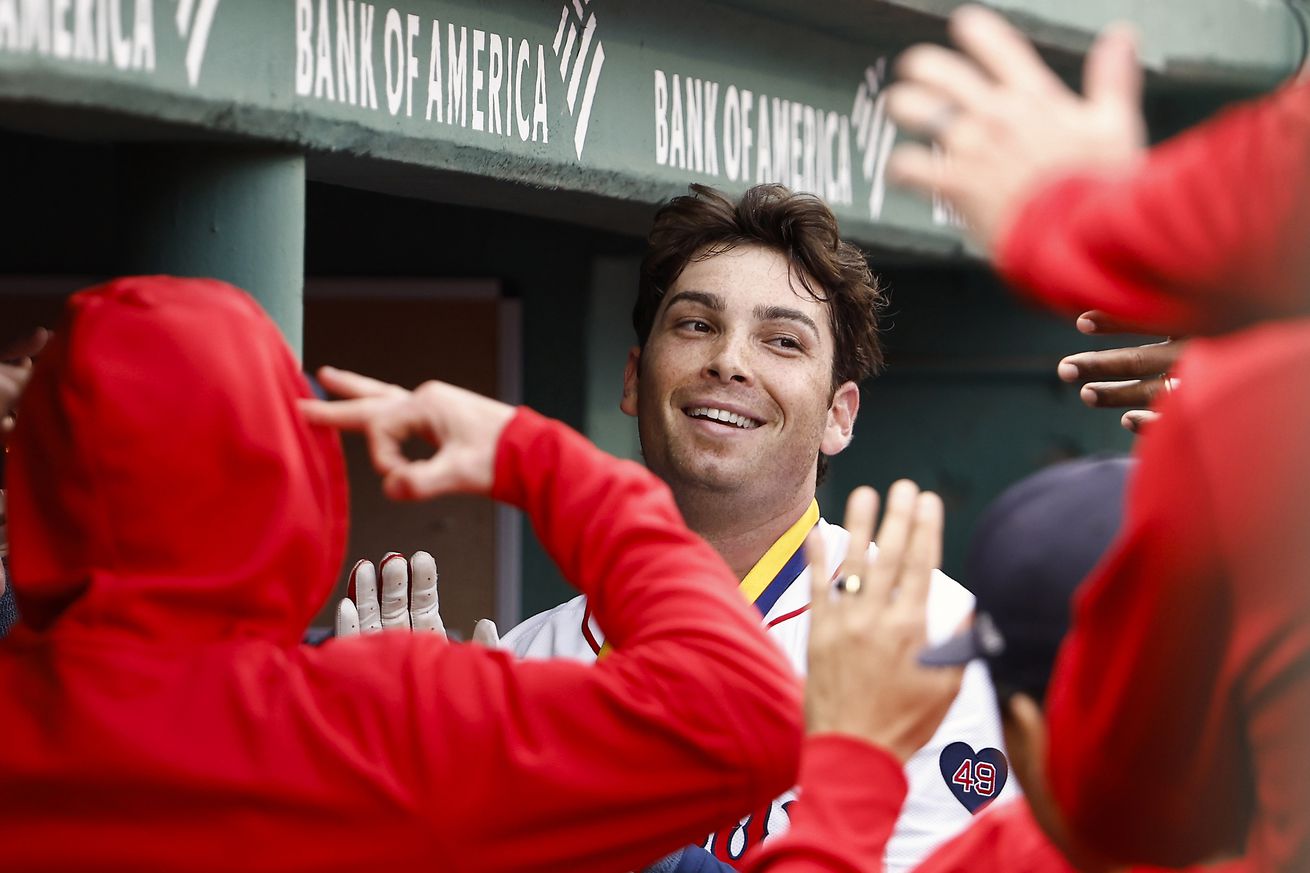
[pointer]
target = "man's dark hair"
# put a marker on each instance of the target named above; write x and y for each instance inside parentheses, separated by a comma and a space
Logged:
(801, 227)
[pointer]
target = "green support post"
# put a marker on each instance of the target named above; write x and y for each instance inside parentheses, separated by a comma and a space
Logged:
(228, 212)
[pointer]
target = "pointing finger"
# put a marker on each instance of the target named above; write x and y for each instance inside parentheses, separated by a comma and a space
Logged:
(344, 383)
(351, 415)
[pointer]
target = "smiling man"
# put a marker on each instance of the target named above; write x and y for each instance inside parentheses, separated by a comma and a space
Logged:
(755, 324)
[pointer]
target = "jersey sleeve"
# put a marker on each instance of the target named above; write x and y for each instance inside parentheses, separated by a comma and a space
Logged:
(1209, 233)
(556, 765)
(1142, 733)
(851, 795)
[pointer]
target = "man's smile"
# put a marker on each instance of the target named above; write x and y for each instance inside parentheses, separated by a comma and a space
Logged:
(719, 415)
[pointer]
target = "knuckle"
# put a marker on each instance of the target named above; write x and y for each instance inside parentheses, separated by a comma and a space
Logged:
(1138, 362)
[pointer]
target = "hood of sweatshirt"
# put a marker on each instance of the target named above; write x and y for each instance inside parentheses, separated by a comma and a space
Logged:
(162, 482)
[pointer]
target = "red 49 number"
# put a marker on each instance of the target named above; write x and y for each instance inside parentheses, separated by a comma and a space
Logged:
(979, 778)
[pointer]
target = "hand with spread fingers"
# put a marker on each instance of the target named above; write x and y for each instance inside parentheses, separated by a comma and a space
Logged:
(407, 598)
(1003, 122)
(15, 370)
(868, 626)
(465, 430)
(463, 427)
(1131, 377)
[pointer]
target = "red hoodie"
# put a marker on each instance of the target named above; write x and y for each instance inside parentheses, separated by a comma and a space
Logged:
(1180, 709)
(175, 523)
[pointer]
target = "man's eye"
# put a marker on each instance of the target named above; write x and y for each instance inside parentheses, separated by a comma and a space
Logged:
(697, 325)
(787, 342)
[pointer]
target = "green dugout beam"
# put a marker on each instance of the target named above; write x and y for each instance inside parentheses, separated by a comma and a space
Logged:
(588, 110)
(231, 212)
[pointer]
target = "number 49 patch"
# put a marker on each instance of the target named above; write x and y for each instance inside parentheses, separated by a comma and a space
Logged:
(975, 778)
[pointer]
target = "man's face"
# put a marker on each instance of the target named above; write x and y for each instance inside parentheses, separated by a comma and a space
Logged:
(733, 390)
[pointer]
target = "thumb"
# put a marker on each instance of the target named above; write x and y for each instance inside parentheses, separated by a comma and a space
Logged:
(420, 480)
(1112, 75)
(485, 633)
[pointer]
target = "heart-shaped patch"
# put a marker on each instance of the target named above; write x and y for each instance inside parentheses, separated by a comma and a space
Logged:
(975, 778)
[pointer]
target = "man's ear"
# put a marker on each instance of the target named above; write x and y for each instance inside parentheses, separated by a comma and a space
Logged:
(840, 428)
(628, 402)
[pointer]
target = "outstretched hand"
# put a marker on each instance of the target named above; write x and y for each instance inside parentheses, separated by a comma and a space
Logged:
(462, 426)
(868, 627)
(1003, 121)
(407, 599)
(1130, 377)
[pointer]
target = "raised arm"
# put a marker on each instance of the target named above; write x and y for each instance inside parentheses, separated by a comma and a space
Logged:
(869, 703)
(1211, 233)
(1207, 232)
(554, 765)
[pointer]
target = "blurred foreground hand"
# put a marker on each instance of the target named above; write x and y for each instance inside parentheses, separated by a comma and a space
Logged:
(1002, 123)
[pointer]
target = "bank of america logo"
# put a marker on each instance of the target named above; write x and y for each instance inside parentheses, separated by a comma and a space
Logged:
(193, 22)
(875, 133)
(581, 55)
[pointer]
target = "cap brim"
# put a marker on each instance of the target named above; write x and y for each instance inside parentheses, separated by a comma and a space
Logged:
(959, 649)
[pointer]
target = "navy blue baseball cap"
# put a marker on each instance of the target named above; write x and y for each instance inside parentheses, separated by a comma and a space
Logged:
(1031, 549)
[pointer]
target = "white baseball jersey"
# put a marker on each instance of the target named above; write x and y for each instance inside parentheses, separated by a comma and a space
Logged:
(959, 770)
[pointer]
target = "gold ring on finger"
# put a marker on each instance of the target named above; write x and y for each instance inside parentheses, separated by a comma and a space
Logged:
(849, 584)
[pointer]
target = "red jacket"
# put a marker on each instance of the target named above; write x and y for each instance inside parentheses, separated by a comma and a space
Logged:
(1180, 709)
(1212, 233)
(852, 794)
(175, 523)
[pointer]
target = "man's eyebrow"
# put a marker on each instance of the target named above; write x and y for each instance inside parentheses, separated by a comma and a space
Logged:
(704, 298)
(786, 313)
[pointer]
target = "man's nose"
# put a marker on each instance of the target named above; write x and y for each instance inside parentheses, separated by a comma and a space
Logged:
(730, 361)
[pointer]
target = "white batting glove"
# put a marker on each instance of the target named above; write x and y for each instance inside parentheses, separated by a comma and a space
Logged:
(408, 597)
(485, 633)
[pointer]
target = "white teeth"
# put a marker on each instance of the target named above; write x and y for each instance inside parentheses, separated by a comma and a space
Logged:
(723, 415)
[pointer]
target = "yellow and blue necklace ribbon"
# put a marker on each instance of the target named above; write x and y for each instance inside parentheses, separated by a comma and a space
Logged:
(774, 572)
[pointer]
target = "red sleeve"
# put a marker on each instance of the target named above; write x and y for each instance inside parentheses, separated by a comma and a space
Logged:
(1006, 837)
(1210, 233)
(1143, 733)
(851, 796)
(553, 765)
